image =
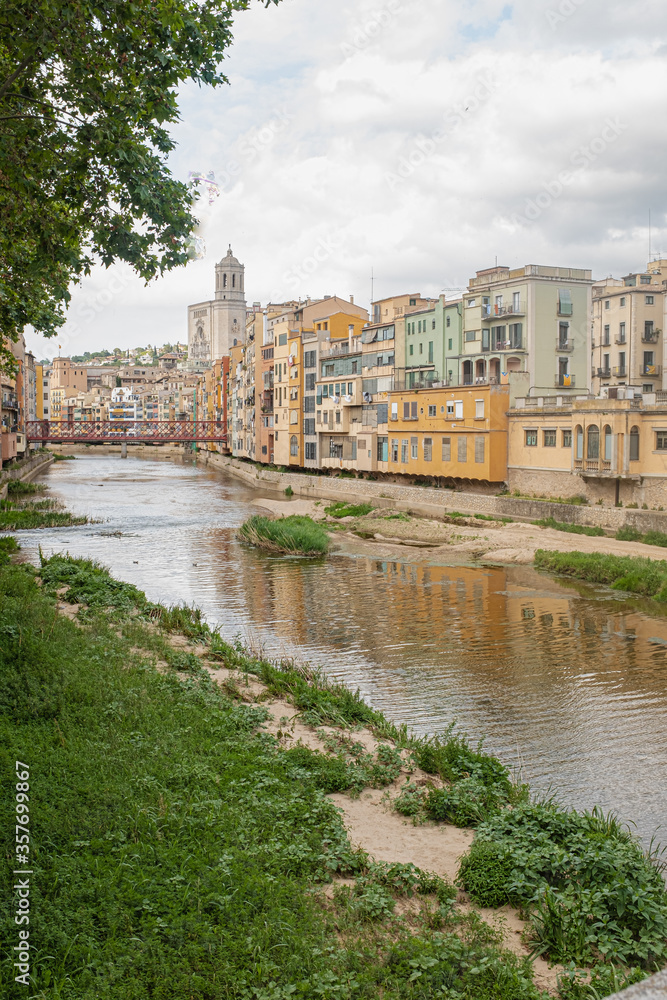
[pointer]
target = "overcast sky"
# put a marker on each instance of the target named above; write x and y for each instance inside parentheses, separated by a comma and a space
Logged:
(418, 139)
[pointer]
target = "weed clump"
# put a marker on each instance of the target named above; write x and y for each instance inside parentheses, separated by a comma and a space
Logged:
(342, 509)
(293, 535)
(574, 529)
(635, 574)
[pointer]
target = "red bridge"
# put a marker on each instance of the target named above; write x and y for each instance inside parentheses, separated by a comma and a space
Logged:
(125, 431)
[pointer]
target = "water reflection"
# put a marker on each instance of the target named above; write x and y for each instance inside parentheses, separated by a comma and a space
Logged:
(565, 683)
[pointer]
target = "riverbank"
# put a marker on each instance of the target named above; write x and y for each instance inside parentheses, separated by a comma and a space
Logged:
(214, 862)
(460, 539)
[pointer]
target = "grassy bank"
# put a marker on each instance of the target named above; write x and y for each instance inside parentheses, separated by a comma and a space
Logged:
(180, 851)
(293, 535)
(22, 515)
(634, 574)
(573, 529)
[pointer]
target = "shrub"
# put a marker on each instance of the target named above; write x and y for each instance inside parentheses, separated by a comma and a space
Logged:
(465, 803)
(292, 535)
(486, 872)
(656, 538)
(15, 487)
(341, 509)
(288, 491)
(628, 534)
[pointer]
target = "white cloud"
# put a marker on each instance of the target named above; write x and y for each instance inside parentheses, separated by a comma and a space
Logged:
(483, 104)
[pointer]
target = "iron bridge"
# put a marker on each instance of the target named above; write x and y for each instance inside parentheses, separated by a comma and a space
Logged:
(125, 431)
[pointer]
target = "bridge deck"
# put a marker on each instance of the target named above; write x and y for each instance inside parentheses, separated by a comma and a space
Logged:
(128, 431)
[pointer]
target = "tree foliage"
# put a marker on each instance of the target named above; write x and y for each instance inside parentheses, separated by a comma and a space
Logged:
(88, 90)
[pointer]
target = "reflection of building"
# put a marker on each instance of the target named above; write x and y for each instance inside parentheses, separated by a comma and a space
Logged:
(219, 324)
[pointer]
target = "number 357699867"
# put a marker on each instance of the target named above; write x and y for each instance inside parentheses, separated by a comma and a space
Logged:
(22, 813)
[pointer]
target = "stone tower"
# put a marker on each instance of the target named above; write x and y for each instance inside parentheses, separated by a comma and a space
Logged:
(215, 326)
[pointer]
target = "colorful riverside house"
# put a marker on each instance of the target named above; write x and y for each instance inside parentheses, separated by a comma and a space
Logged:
(628, 322)
(265, 424)
(611, 451)
(458, 435)
(288, 437)
(344, 438)
(432, 336)
(531, 324)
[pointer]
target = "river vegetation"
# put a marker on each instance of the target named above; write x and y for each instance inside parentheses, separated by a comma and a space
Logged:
(180, 850)
(573, 529)
(629, 534)
(342, 509)
(20, 513)
(293, 535)
(635, 574)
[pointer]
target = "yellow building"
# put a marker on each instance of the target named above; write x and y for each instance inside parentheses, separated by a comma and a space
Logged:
(456, 434)
(610, 451)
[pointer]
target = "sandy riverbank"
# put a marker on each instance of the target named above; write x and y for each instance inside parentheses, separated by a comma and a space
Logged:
(420, 539)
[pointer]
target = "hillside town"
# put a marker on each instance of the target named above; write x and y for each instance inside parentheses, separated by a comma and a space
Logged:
(536, 379)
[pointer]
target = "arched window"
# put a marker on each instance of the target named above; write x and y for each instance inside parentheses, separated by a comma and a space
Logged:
(593, 447)
(233, 281)
(293, 446)
(579, 434)
(607, 443)
(224, 281)
(634, 444)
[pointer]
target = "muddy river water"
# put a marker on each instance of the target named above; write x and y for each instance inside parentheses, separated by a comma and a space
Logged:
(566, 683)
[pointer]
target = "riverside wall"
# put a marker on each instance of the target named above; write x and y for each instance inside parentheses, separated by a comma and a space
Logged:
(425, 501)
(26, 472)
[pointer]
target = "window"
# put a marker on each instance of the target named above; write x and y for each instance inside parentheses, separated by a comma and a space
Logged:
(449, 323)
(567, 439)
(648, 329)
(433, 324)
(421, 348)
(606, 436)
(413, 302)
(394, 411)
(498, 338)
(621, 333)
(412, 348)
(414, 454)
(649, 300)
(383, 449)
(450, 411)
(531, 439)
(607, 304)
(580, 443)
(311, 451)
(447, 449)
(394, 450)
(661, 441)
(428, 449)
(516, 335)
(645, 279)
(564, 302)
(337, 416)
(309, 404)
(549, 439)
(471, 335)
(309, 426)
(471, 303)
(319, 416)
(479, 409)
(294, 446)
(430, 352)
(563, 336)
(432, 411)
(634, 444)
(463, 448)
(593, 446)
(622, 301)
(605, 335)
(310, 382)
(282, 339)
(404, 451)
(450, 343)
(621, 363)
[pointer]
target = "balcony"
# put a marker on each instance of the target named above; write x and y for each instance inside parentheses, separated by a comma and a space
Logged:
(620, 371)
(651, 337)
(10, 401)
(652, 370)
(601, 373)
(620, 340)
(564, 345)
(495, 312)
(564, 382)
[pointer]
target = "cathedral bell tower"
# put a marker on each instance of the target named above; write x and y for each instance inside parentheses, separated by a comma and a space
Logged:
(216, 326)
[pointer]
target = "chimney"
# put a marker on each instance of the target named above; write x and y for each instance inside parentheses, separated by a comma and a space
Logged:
(352, 299)
(350, 334)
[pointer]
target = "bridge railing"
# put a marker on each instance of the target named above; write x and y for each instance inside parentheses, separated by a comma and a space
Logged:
(129, 431)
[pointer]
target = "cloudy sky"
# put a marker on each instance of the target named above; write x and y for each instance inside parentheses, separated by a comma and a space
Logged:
(417, 140)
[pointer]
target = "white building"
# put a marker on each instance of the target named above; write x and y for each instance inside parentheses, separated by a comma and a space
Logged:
(125, 404)
(217, 325)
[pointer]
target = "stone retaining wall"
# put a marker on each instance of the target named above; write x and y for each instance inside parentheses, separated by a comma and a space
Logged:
(26, 472)
(428, 501)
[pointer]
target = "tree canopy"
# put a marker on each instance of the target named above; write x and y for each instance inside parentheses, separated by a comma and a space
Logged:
(88, 90)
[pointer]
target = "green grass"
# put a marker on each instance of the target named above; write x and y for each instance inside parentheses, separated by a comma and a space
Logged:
(342, 509)
(635, 574)
(291, 535)
(177, 850)
(15, 487)
(574, 529)
(629, 534)
(57, 457)
(655, 538)
(22, 515)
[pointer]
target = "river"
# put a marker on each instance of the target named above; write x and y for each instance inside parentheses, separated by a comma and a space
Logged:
(565, 683)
